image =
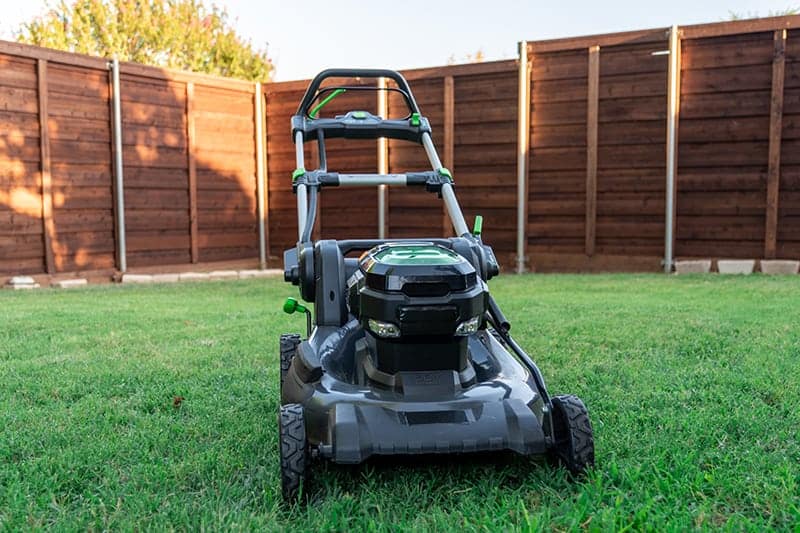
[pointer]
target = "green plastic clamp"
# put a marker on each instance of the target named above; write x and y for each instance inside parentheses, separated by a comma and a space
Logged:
(415, 119)
(297, 173)
(446, 173)
(477, 228)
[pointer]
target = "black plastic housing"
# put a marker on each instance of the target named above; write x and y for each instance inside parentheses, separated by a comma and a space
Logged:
(370, 127)
(427, 303)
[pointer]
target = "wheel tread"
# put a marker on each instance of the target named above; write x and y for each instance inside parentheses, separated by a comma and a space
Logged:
(575, 446)
(294, 450)
(288, 347)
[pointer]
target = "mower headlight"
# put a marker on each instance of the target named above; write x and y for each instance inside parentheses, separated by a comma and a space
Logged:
(468, 327)
(386, 330)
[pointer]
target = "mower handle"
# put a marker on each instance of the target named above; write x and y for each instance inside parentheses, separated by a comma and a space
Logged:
(313, 87)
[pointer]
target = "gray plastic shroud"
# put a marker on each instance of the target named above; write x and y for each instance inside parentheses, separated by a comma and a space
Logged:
(348, 423)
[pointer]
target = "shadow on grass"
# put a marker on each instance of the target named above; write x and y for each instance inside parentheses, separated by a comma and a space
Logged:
(439, 479)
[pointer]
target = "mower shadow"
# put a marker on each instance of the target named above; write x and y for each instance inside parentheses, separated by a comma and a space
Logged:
(446, 476)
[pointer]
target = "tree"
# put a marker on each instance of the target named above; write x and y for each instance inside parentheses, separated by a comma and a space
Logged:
(477, 57)
(732, 15)
(181, 34)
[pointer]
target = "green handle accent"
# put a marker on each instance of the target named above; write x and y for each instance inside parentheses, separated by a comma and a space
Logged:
(478, 227)
(291, 305)
(323, 103)
(445, 172)
(297, 173)
(415, 119)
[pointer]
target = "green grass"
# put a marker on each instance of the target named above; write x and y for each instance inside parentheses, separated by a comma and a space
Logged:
(693, 386)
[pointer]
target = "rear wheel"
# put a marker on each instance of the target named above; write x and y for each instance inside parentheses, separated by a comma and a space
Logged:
(289, 342)
(294, 451)
(574, 439)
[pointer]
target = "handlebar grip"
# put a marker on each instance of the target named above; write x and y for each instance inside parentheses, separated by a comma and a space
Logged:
(313, 87)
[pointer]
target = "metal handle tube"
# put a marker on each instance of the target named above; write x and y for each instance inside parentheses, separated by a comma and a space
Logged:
(430, 149)
(302, 209)
(302, 194)
(118, 171)
(298, 150)
(448, 195)
(356, 180)
(454, 210)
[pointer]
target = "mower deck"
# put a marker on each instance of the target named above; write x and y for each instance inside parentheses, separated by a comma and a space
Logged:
(428, 412)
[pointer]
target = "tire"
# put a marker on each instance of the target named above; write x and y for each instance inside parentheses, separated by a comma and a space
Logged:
(288, 347)
(294, 452)
(574, 439)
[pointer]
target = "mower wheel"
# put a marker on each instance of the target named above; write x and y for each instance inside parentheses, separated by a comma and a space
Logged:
(294, 451)
(289, 342)
(574, 439)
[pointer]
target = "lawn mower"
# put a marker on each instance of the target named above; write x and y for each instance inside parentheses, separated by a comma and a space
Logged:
(407, 352)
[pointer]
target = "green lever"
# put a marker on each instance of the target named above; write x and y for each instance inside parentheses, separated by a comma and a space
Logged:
(319, 106)
(291, 305)
(478, 227)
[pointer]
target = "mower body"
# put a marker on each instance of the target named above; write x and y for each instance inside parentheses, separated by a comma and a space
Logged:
(406, 351)
(408, 367)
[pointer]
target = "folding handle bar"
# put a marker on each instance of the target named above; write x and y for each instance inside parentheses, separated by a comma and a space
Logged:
(313, 87)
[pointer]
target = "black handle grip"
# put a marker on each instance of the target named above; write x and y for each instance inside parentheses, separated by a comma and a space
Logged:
(313, 87)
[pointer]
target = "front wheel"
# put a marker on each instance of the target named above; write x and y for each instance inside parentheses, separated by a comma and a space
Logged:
(573, 445)
(294, 451)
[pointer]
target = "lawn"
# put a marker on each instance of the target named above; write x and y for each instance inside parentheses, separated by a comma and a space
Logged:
(692, 383)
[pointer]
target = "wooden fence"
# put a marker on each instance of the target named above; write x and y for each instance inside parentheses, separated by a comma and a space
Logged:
(594, 160)
(189, 164)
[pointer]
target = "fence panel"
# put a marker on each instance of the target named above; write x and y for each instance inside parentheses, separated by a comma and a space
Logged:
(788, 245)
(723, 142)
(631, 147)
(226, 173)
(557, 161)
(155, 158)
(21, 228)
(78, 126)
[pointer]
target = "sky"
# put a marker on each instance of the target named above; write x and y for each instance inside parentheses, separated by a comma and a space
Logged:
(306, 36)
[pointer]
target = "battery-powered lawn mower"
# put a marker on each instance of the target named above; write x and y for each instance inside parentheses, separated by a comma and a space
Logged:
(407, 352)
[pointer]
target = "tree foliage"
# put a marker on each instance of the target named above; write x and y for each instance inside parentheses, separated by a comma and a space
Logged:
(732, 15)
(477, 57)
(181, 34)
